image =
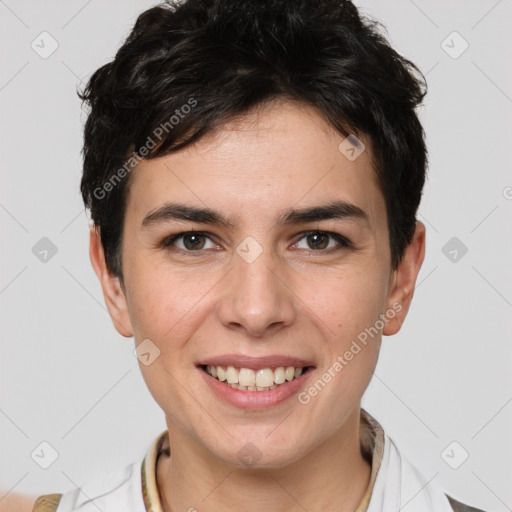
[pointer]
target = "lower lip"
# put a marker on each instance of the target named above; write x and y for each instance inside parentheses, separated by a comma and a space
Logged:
(255, 399)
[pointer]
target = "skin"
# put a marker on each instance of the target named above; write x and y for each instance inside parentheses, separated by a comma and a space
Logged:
(16, 502)
(294, 299)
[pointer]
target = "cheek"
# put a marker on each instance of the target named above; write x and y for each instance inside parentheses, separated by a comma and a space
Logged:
(347, 300)
(347, 313)
(168, 307)
(164, 301)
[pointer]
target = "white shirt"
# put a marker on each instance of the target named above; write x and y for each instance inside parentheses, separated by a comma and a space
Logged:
(394, 482)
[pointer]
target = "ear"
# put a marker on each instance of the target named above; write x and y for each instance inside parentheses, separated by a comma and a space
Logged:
(113, 292)
(403, 280)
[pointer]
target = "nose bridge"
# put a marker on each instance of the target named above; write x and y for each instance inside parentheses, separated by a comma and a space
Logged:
(256, 278)
(257, 297)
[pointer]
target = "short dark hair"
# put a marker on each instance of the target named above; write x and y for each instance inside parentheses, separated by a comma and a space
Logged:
(187, 68)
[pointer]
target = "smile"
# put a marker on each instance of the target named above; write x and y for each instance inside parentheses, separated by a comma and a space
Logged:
(255, 383)
(248, 379)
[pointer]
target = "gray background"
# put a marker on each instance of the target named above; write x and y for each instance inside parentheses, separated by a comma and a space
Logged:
(69, 379)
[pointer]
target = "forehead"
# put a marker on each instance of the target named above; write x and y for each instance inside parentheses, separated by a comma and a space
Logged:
(277, 156)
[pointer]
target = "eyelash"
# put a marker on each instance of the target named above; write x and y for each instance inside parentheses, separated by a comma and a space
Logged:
(345, 243)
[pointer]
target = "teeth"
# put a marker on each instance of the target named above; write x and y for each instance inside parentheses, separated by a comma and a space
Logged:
(279, 375)
(232, 375)
(221, 374)
(264, 378)
(247, 379)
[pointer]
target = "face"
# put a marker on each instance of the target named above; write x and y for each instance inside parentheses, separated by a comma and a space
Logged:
(278, 257)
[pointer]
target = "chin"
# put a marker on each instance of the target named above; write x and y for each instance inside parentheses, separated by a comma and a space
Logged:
(259, 451)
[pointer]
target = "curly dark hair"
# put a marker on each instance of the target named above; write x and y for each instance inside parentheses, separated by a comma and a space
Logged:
(187, 68)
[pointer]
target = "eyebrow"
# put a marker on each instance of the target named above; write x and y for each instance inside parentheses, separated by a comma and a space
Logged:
(329, 211)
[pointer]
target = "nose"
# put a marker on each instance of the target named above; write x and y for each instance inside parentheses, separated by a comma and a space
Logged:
(258, 297)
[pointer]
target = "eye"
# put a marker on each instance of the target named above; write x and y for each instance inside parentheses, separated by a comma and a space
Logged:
(189, 241)
(197, 241)
(319, 241)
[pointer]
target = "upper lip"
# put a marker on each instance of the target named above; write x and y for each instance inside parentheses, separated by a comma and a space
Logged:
(255, 363)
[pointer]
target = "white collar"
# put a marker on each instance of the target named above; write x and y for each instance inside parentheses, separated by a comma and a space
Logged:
(399, 486)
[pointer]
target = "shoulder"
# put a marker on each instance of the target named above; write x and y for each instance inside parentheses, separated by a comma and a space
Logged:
(47, 503)
(120, 490)
(401, 481)
(457, 506)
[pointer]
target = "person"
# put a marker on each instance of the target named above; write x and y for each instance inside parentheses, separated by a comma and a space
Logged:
(253, 171)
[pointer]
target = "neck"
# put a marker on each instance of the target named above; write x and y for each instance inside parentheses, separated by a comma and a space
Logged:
(332, 477)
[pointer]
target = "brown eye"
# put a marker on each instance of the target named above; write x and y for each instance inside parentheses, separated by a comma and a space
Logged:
(189, 241)
(193, 241)
(323, 241)
(318, 240)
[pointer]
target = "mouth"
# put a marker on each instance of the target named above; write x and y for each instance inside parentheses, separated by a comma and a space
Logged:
(255, 383)
(255, 379)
